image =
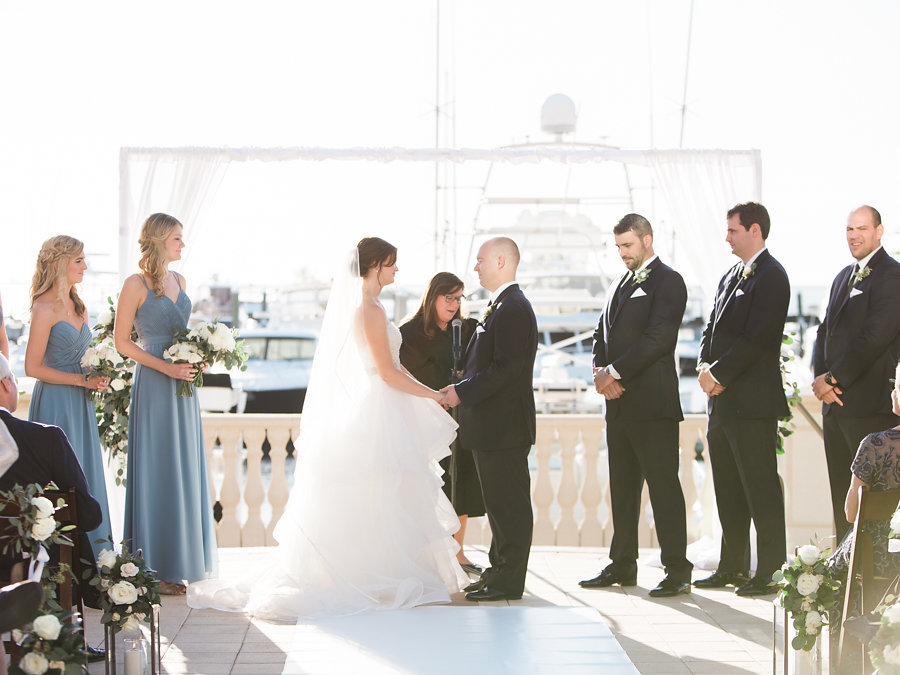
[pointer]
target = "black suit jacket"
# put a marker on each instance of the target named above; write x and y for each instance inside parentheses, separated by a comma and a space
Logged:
(496, 393)
(45, 455)
(639, 341)
(743, 341)
(859, 339)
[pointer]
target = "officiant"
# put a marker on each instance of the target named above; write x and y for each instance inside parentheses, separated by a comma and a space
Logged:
(431, 338)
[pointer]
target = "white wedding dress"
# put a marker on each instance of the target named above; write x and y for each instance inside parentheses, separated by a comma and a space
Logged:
(367, 526)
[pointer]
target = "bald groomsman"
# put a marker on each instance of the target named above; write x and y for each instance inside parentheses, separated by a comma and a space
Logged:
(857, 348)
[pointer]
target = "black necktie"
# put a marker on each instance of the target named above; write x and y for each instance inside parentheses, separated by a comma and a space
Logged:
(614, 305)
(851, 282)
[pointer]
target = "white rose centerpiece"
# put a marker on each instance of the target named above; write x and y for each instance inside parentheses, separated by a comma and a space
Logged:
(129, 590)
(808, 592)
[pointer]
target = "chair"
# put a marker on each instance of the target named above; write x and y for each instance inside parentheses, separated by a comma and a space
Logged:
(873, 505)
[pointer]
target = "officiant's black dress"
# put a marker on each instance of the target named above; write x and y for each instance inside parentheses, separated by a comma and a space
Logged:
(430, 360)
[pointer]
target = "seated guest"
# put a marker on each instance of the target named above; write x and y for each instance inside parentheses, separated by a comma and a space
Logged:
(44, 456)
(874, 467)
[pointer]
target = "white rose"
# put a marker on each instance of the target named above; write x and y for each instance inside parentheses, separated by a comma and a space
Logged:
(807, 583)
(131, 625)
(17, 636)
(222, 340)
(117, 384)
(115, 616)
(87, 356)
(107, 558)
(106, 317)
(34, 663)
(813, 620)
(892, 655)
(115, 358)
(204, 332)
(123, 593)
(58, 665)
(809, 554)
(47, 626)
(42, 528)
(93, 359)
(129, 569)
(44, 507)
(892, 614)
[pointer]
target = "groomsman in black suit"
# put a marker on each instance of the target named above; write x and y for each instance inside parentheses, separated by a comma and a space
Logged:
(634, 369)
(740, 371)
(497, 418)
(857, 348)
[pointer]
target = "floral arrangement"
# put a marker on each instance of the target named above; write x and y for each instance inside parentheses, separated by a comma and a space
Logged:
(487, 312)
(111, 405)
(208, 343)
(641, 275)
(884, 647)
(128, 589)
(748, 271)
(52, 643)
(36, 528)
(808, 591)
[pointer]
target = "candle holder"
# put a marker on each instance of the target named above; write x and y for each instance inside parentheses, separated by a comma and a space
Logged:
(136, 645)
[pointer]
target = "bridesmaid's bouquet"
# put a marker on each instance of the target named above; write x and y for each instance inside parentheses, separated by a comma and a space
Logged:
(208, 343)
(112, 404)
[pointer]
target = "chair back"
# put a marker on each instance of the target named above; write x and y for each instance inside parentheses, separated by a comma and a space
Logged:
(873, 505)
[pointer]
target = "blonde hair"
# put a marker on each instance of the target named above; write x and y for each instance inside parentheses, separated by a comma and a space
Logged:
(154, 232)
(52, 270)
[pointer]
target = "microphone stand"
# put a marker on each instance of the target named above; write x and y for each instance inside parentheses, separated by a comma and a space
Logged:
(455, 377)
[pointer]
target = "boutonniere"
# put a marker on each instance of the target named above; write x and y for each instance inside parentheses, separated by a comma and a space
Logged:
(748, 271)
(641, 275)
(488, 312)
(861, 274)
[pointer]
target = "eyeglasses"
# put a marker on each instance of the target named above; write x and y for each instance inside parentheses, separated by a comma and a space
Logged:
(453, 299)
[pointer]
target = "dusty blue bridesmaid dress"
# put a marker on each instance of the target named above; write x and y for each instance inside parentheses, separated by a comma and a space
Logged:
(168, 506)
(71, 409)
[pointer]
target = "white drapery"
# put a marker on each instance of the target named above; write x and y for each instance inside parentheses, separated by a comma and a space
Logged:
(696, 186)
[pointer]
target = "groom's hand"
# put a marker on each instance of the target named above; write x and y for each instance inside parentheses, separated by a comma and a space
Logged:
(613, 390)
(451, 400)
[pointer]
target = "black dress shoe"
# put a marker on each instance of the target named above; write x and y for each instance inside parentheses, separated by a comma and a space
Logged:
(607, 578)
(488, 594)
(474, 586)
(669, 587)
(723, 579)
(95, 655)
(19, 604)
(757, 587)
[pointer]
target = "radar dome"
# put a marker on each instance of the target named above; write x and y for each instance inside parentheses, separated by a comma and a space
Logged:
(558, 115)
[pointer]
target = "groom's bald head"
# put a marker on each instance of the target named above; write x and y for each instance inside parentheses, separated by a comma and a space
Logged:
(498, 259)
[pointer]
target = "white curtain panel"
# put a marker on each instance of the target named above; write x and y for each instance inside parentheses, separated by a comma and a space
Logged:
(697, 187)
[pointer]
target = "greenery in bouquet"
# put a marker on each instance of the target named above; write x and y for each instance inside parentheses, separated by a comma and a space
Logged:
(52, 643)
(208, 343)
(35, 527)
(884, 647)
(112, 404)
(128, 589)
(786, 425)
(808, 592)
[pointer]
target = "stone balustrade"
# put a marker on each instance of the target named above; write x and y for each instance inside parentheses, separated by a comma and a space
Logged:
(570, 483)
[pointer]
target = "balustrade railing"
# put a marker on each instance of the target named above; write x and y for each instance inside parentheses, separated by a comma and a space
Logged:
(250, 472)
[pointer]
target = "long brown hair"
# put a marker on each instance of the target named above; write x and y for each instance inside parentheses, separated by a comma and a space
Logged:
(442, 283)
(152, 240)
(375, 252)
(52, 270)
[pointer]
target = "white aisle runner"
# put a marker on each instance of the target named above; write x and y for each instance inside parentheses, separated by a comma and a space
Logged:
(452, 639)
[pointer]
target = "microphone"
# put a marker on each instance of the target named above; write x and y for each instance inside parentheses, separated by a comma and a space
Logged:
(456, 334)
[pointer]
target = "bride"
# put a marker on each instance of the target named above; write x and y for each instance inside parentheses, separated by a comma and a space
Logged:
(367, 525)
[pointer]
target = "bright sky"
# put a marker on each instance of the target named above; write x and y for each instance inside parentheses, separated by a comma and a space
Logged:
(814, 85)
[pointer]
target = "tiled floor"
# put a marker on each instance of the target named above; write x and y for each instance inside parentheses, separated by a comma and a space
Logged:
(710, 631)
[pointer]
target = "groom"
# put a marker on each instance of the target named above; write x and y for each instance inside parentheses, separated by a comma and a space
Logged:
(497, 420)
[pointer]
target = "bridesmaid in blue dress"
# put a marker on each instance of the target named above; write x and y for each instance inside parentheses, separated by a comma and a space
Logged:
(58, 338)
(168, 506)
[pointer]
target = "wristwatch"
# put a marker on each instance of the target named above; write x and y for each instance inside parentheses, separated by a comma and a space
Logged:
(829, 379)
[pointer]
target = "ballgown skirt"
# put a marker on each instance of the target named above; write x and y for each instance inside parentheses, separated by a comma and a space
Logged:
(367, 526)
